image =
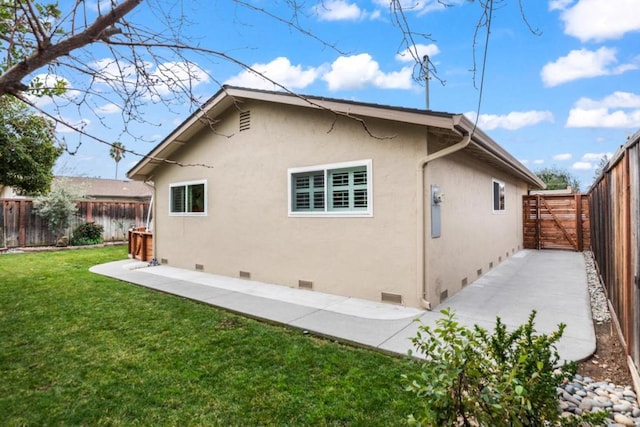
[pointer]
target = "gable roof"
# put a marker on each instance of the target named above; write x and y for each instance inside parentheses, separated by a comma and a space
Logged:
(447, 125)
(107, 188)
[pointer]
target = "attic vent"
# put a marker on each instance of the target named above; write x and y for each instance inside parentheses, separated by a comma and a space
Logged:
(199, 267)
(392, 298)
(305, 284)
(245, 120)
(245, 275)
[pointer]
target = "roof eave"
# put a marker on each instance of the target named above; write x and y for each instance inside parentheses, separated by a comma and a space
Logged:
(484, 142)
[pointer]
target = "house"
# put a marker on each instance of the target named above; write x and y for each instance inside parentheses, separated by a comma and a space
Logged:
(112, 190)
(371, 201)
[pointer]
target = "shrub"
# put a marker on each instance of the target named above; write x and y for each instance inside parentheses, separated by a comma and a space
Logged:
(88, 233)
(472, 377)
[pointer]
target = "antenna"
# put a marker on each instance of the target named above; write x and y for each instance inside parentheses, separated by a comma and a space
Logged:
(425, 64)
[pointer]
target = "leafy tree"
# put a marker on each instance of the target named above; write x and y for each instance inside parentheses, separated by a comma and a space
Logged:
(600, 168)
(28, 148)
(117, 153)
(558, 179)
(57, 207)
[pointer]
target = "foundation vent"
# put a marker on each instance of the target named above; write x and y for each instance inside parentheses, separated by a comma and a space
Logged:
(245, 275)
(199, 267)
(499, 259)
(464, 282)
(164, 261)
(479, 272)
(506, 254)
(245, 120)
(444, 295)
(305, 284)
(490, 265)
(392, 298)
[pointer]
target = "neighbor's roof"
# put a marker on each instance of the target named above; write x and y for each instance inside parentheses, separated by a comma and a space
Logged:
(449, 126)
(106, 188)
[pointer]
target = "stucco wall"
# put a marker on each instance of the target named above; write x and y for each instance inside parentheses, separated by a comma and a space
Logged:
(247, 227)
(474, 239)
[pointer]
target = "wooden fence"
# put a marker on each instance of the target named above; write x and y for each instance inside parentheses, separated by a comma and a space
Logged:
(556, 222)
(21, 227)
(615, 225)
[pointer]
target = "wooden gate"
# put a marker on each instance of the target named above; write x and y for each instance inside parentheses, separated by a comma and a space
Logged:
(556, 222)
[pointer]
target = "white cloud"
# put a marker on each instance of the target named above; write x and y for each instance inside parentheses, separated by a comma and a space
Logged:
(618, 110)
(602, 117)
(342, 10)
(279, 70)
(512, 121)
(360, 71)
(75, 124)
(418, 51)
(167, 77)
(422, 7)
(108, 109)
(563, 156)
(615, 100)
(595, 157)
(559, 4)
(172, 76)
(538, 162)
(582, 166)
(598, 19)
(583, 63)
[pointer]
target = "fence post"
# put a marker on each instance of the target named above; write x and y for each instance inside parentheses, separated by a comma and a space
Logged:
(22, 234)
(578, 201)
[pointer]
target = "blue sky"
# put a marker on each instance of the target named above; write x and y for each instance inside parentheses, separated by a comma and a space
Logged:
(563, 96)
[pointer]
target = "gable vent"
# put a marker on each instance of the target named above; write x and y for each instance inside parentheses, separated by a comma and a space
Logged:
(392, 298)
(245, 120)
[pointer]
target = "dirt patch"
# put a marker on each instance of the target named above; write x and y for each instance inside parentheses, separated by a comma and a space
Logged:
(609, 362)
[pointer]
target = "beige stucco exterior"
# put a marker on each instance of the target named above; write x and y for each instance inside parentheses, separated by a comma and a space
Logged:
(474, 239)
(248, 227)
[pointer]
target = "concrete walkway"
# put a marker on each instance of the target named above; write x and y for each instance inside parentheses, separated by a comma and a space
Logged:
(554, 283)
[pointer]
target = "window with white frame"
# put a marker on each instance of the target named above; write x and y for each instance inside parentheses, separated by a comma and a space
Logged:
(339, 189)
(498, 196)
(188, 198)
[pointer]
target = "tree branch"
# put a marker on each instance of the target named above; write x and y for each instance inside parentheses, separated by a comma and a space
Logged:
(11, 81)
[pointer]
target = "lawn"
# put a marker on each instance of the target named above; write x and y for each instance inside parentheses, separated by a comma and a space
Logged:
(81, 349)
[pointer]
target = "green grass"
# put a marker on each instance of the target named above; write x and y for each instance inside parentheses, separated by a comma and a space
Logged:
(81, 349)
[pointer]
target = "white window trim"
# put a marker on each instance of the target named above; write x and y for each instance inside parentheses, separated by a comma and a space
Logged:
(185, 184)
(326, 167)
(499, 211)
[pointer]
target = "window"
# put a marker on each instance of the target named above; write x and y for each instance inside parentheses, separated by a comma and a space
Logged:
(188, 198)
(498, 196)
(342, 189)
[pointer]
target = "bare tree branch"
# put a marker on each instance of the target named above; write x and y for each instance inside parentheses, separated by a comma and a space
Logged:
(101, 29)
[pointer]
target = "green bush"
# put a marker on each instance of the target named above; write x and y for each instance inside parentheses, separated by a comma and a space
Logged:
(472, 377)
(88, 233)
